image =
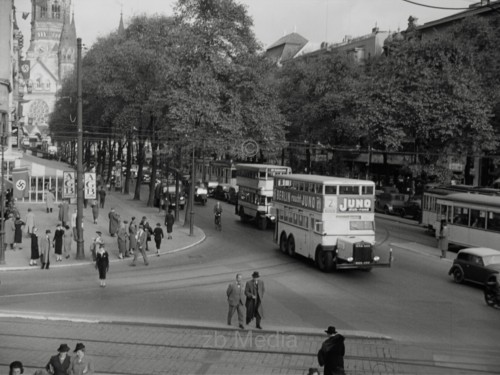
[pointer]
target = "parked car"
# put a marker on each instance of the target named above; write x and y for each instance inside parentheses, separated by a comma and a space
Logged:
(475, 264)
(413, 208)
(391, 203)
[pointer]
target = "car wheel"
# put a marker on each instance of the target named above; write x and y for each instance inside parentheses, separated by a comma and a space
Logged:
(402, 213)
(283, 243)
(262, 223)
(291, 246)
(458, 275)
(386, 210)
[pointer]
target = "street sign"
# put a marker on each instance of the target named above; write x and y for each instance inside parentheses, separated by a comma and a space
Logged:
(90, 186)
(69, 185)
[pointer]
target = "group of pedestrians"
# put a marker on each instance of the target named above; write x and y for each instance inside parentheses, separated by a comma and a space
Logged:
(62, 363)
(253, 294)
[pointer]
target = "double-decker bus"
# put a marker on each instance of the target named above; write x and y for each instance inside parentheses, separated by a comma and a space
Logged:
(473, 219)
(328, 219)
(430, 212)
(255, 191)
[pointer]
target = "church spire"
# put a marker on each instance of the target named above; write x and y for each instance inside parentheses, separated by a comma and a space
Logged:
(121, 28)
(67, 46)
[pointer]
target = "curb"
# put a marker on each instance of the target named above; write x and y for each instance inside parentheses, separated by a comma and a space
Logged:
(86, 262)
(196, 326)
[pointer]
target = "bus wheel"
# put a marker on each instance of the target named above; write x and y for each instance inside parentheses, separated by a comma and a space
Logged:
(291, 246)
(283, 243)
(262, 223)
(324, 260)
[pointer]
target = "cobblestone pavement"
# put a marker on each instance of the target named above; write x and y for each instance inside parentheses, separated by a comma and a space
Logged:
(119, 348)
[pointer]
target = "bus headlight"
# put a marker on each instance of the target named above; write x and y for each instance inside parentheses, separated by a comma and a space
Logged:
(350, 259)
(272, 217)
(376, 259)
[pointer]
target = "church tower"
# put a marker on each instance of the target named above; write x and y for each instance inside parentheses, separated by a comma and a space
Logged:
(51, 57)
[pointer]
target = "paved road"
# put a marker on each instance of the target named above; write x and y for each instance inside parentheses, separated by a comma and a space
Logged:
(155, 321)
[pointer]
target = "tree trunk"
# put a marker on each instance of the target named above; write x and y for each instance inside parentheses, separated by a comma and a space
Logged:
(140, 162)
(129, 164)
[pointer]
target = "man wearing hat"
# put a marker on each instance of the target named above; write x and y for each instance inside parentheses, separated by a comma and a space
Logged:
(82, 363)
(254, 291)
(45, 250)
(234, 294)
(59, 363)
(331, 354)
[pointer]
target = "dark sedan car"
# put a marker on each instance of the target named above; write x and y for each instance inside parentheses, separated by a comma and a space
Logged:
(475, 264)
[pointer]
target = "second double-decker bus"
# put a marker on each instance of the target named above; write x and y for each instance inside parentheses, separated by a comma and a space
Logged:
(255, 191)
(473, 219)
(328, 219)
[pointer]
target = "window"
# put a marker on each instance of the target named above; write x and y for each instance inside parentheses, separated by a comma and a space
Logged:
(478, 219)
(348, 190)
(494, 221)
(313, 223)
(262, 175)
(361, 225)
(460, 216)
(56, 10)
(331, 190)
(43, 11)
(318, 226)
(367, 190)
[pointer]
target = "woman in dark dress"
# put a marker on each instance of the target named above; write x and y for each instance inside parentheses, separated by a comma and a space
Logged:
(35, 254)
(18, 234)
(102, 264)
(58, 242)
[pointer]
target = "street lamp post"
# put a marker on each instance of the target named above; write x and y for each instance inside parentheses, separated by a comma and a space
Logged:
(79, 166)
(191, 198)
(2, 201)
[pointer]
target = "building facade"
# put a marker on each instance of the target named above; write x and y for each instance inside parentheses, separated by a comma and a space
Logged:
(50, 58)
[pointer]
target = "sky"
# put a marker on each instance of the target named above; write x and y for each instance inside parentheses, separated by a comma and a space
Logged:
(315, 20)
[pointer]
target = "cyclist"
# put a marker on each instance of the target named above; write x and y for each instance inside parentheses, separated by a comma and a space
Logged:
(218, 214)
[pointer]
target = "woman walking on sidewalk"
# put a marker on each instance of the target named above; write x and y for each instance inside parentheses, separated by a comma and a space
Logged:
(95, 211)
(34, 247)
(68, 239)
(158, 234)
(57, 242)
(18, 233)
(102, 264)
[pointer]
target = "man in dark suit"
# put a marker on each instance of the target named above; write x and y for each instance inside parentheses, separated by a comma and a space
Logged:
(235, 299)
(331, 354)
(254, 291)
(141, 246)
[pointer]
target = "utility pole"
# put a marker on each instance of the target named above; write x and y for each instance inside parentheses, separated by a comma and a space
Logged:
(80, 254)
(191, 199)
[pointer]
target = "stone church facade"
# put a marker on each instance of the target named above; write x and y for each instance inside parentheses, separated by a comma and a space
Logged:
(50, 58)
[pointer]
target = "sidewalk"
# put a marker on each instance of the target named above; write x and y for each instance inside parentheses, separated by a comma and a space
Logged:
(18, 259)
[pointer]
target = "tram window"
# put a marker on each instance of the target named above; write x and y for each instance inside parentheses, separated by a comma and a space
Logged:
(331, 190)
(367, 190)
(461, 216)
(478, 219)
(348, 190)
(494, 221)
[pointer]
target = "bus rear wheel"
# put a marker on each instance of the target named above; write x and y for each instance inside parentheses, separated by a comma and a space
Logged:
(283, 243)
(324, 260)
(291, 246)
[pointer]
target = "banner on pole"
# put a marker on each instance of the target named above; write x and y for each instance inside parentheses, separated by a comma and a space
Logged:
(90, 186)
(69, 185)
(20, 178)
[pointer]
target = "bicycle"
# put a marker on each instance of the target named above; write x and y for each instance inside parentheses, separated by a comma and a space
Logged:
(218, 222)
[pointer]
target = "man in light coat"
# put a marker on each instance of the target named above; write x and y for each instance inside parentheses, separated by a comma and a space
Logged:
(30, 221)
(10, 229)
(141, 246)
(235, 296)
(122, 239)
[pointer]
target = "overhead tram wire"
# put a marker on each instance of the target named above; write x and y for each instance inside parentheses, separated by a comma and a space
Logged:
(432, 6)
